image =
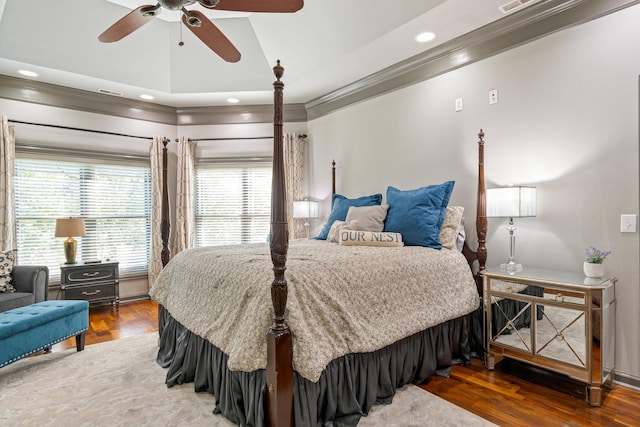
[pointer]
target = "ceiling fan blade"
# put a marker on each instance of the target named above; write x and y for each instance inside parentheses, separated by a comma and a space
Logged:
(276, 6)
(127, 24)
(212, 37)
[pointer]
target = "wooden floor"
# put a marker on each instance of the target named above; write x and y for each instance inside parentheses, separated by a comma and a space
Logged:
(512, 395)
(106, 324)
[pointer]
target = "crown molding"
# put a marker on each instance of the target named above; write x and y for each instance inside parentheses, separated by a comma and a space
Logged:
(26, 90)
(529, 24)
(238, 114)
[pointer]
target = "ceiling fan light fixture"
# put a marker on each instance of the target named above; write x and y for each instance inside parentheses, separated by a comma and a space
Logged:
(174, 4)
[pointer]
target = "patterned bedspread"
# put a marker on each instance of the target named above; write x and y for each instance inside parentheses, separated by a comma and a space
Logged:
(342, 299)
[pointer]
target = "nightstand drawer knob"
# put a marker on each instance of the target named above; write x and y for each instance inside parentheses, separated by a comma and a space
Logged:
(94, 274)
(91, 293)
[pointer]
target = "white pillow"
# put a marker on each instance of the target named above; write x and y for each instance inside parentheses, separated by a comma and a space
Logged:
(337, 226)
(462, 236)
(450, 225)
(370, 218)
(370, 238)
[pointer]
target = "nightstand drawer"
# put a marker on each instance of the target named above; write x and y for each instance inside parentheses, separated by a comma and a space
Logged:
(547, 292)
(90, 274)
(90, 292)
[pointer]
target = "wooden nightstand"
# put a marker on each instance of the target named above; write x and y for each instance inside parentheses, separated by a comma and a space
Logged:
(95, 282)
(556, 320)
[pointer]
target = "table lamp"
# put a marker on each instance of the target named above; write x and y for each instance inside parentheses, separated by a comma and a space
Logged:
(70, 228)
(511, 202)
(305, 209)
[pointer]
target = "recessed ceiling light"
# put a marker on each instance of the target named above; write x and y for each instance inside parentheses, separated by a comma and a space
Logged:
(147, 97)
(233, 100)
(425, 37)
(28, 73)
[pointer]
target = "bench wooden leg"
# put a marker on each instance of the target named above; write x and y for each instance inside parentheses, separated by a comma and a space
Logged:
(80, 341)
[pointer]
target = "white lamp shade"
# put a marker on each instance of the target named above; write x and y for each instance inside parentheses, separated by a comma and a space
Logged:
(70, 227)
(511, 202)
(305, 209)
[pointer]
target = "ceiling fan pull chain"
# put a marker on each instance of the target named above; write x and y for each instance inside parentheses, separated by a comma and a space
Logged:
(180, 43)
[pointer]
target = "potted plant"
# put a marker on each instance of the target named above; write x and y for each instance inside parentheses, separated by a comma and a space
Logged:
(594, 263)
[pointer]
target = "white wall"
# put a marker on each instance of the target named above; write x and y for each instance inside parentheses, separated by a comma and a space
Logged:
(566, 122)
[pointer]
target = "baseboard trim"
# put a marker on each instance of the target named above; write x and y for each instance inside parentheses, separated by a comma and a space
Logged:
(135, 298)
(627, 380)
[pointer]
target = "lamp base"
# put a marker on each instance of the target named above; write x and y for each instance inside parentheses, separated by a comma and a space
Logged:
(511, 267)
(70, 246)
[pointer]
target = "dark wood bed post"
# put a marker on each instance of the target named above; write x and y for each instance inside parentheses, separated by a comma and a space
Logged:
(481, 214)
(165, 224)
(279, 374)
(481, 222)
(333, 177)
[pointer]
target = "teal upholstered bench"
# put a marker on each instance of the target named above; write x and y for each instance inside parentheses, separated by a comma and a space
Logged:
(27, 330)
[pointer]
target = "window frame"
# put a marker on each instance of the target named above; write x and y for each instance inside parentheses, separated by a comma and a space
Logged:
(88, 160)
(245, 219)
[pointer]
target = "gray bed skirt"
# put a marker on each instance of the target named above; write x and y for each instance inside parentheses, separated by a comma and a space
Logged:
(348, 387)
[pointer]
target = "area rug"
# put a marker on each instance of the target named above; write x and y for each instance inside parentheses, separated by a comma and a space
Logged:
(118, 383)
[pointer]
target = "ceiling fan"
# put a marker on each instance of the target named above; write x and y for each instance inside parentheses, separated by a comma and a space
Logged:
(197, 22)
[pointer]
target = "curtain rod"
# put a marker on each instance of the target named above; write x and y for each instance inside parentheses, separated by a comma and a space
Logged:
(237, 138)
(80, 129)
(228, 139)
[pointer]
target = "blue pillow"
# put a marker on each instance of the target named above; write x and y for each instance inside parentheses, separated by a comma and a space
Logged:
(418, 214)
(340, 206)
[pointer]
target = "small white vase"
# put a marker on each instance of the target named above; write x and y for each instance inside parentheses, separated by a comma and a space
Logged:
(593, 270)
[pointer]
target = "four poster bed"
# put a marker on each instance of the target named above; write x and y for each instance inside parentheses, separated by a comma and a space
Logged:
(340, 331)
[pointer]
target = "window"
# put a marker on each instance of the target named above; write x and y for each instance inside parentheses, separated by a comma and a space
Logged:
(114, 198)
(233, 203)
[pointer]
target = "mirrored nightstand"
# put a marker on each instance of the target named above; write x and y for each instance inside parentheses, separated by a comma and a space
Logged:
(556, 320)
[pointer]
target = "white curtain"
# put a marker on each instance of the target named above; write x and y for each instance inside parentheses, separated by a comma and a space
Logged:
(294, 174)
(184, 234)
(7, 191)
(155, 260)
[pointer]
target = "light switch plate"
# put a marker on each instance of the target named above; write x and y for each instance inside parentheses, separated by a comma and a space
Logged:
(628, 223)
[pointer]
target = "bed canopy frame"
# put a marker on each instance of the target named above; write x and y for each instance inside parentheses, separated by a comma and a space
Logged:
(279, 372)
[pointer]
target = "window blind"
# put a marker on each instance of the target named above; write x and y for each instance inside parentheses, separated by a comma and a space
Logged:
(113, 198)
(233, 203)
